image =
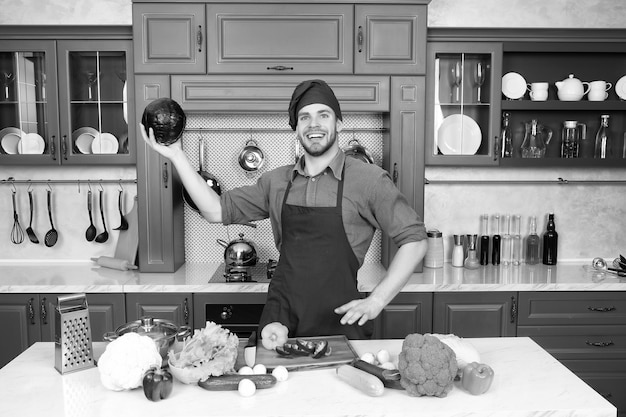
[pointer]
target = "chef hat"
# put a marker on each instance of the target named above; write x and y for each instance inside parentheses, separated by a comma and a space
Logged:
(310, 92)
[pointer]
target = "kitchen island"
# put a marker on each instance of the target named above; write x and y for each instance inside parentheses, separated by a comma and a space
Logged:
(528, 382)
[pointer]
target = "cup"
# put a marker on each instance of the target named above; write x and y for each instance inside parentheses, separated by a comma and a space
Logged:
(538, 91)
(598, 90)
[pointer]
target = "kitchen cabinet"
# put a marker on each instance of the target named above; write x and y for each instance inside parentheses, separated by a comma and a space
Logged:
(407, 313)
(475, 314)
(30, 318)
(175, 307)
(64, 97)
(238, 312)
(586, 331)
(524, 57)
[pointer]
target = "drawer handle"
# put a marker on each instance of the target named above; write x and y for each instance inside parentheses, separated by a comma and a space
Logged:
(280, 68)
(359, 38)
(599, 344)
(601, 309)
(199, 38)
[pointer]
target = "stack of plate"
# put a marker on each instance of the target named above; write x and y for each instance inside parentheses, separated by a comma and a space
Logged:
(459, 134)
(88, 140)
(15, 141)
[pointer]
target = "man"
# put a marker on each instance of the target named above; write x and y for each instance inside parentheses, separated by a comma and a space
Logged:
(324, 211)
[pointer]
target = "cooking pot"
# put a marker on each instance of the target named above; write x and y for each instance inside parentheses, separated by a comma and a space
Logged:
(251, 158)
(163, 332)
(358, 151)
(208, 178)
(239, 252)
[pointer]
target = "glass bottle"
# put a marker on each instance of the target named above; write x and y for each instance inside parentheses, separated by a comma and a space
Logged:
(532, 243)
(471, 262)
(507, 243)
(484, 241)
(495, 242)
(516, 252)
(550, 242)
(507, 136)
(603, 147)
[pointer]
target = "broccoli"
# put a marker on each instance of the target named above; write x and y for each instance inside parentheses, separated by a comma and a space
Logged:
(427, 366)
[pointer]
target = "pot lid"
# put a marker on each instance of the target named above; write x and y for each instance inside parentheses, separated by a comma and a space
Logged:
(149, 326)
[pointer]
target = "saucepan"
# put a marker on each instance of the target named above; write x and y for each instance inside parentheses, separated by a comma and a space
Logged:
(358, 151)
(251, 158)
(208, 178)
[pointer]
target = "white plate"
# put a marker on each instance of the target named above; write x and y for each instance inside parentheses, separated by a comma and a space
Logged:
(459, 135)
(125, 102)
(513, 85)
(83, 137)
(105, 143)
(31, 143)
(10, 138)
(620, 88)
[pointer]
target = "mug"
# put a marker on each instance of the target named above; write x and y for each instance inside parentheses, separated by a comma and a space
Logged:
(598, 90)
(538, 91)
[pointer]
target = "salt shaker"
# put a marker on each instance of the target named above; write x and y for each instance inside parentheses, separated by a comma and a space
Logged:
(434, 253)
(458, 253)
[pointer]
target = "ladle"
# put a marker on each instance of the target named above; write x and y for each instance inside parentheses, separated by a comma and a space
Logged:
(600, 264)
(29, 230)
(104, 236)
(51, 237)
(90, 233)
(123, 222)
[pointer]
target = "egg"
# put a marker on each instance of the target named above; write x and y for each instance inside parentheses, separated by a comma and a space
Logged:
(246, 388)
(388, 365)
(280, 373)
(259, 369)
(382, 356)
(246, 370)
(368, 357)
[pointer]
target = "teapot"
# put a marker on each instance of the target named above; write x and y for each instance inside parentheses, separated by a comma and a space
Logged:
(571, 89)
(239, 252)
(536, 139)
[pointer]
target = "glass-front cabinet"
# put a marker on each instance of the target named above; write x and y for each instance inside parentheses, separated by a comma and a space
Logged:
(64, 102)
(463, 90)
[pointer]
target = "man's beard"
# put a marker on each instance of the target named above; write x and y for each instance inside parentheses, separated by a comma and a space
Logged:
(316, 150)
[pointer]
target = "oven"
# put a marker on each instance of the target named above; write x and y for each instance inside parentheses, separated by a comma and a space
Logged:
(238, 312)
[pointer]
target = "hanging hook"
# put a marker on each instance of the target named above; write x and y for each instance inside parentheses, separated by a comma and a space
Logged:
(48, 184)
(13, 189)
(100, 184)
(78, 183)
(30, 186)
(120, 184)
(89, 185)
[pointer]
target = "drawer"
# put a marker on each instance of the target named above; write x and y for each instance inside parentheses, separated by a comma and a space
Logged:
(579, 342)
(575, 308)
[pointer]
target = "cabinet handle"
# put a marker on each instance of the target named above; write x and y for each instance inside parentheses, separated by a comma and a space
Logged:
(513, 309)
(186, 311)
(599, 344)
(31, 311)
(359, 38)
(199, 38)
(44, 311)
(394, 175)
(227, 312)
(496, 148)
(64, 147)
(53, 149)
(280, 68)
(165, 175)
(601, 309)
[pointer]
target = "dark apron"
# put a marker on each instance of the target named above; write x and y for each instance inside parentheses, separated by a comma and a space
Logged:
(316, 273)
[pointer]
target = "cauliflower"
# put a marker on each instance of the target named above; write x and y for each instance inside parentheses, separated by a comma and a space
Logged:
(427, 366)
(126, 359)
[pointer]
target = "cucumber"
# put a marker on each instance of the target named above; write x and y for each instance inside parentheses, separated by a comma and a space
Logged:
(230, 382)
(361, 380)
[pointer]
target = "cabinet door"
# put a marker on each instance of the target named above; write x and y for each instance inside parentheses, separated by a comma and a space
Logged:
(175, 307)
(169, 38)
(475, 314)
(161, 228)
(390, 39)
(407, 313)
(463, 103)
(280, 38)
(29, 129)
(20, 324)
(93, 92)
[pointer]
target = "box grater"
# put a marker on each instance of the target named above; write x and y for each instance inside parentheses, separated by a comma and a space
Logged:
(72, 334)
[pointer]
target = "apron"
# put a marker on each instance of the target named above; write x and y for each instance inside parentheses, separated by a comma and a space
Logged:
(316, 273)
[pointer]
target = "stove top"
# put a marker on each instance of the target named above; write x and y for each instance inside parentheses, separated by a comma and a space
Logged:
(261, 272)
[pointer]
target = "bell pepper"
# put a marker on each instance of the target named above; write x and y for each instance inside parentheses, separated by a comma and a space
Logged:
(157, 384)
(476, 378)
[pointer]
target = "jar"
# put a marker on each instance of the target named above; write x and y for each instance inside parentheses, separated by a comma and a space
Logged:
(434, 253)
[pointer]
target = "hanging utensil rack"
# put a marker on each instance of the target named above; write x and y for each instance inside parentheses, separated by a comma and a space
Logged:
(12, 181)
(558, 181)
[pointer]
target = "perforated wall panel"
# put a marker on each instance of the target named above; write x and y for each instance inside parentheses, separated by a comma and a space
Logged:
(224, 136)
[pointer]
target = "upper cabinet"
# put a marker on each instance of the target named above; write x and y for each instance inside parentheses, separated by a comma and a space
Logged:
(65, 101)
(280, 38)
(582, 73)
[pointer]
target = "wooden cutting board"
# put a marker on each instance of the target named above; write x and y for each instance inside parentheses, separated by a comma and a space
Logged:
(342, 352)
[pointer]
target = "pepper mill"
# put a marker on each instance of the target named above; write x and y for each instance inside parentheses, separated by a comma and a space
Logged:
(458, 254)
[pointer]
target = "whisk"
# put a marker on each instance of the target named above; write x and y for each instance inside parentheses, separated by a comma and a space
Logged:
(17, 233)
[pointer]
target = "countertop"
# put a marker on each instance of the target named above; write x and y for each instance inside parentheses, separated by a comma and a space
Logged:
(71, 277)
(528, 382)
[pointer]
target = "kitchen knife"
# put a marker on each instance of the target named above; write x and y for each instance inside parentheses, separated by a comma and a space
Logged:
(249, 351)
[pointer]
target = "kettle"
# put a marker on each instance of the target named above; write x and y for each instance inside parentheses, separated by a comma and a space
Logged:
(239, 252)
(571, 89)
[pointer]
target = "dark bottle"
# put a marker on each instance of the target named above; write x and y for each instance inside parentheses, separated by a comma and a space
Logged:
(495, 243)
(550, 242)
(484, 241)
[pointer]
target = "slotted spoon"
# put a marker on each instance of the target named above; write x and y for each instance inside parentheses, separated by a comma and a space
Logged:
(29, 230)
(52, 236)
